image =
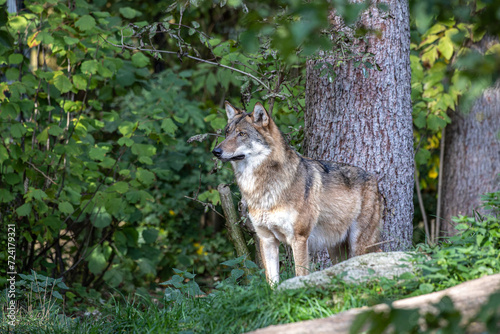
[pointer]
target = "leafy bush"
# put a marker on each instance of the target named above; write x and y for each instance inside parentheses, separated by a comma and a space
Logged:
(472, 253)
(93, 159)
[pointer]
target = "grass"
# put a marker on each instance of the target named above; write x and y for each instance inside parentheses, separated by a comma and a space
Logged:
(232, 308)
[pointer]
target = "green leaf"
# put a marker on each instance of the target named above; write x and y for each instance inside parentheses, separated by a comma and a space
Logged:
(56, 294)
(435, 122)
(150, 235)
(129, 13)
(89, 67)
(97, 261)
(80, 82)
(18, 23)
(140, 60)
(55, 130)
(143, 149)
(251, 264)
(62, 83)
(426, 288)
(102, 219)
(15, 58)
(125, 141)
(4, 154)
(168, 126)
(43, 136)
(422, 156)
(445, 46)
(144, 176)
(12, 178)
(86, 22)
(37, 194)
(24, 210)
(97, 153)
(113, 277)
(9, 110)
(211, 196)
(236, 273)
(127, 128)
(146, 266)
(234, 262)
(5, 196)
(66, 207)
(430, 55)
(120, 187)
(70, 40)
(420, 120)
(17, 130)
(53, 223)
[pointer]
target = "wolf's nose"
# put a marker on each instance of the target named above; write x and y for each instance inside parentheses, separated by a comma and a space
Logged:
(217, 152)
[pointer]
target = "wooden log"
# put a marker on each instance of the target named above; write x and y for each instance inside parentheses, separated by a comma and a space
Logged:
(467, 298)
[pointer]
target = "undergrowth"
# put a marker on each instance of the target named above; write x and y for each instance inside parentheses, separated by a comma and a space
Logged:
(244, 301)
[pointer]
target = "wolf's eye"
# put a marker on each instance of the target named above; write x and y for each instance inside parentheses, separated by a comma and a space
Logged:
(242, 134)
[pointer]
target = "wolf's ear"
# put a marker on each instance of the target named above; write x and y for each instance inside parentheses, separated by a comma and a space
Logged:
(231, 111)
(260, 114)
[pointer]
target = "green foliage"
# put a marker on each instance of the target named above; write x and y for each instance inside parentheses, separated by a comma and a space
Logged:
(472, 253)
(38, 303)
(93, 159)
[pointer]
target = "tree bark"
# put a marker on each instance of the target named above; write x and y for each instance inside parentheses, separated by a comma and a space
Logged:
(472, 157)
(468, 298)
(367, 122)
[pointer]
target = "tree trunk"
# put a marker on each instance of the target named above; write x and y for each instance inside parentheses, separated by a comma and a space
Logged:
(472, 157)
(367, 122)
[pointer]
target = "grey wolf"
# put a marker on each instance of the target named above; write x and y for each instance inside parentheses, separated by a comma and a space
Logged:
(308, 204)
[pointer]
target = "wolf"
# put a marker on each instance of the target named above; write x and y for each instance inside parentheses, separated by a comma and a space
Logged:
(308, 204)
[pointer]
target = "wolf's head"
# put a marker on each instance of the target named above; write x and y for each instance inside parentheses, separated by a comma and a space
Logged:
(248, 136)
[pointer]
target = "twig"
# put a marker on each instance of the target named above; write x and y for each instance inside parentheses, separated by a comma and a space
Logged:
(209, 205)
(123, 46)
(35, 168)
(380, 243)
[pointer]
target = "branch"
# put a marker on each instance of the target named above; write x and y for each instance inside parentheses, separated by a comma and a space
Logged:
(209, 205)
(123, 46)
(39, 171)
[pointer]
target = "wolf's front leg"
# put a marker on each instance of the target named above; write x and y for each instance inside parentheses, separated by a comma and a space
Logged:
(269, 250)
(300, 255)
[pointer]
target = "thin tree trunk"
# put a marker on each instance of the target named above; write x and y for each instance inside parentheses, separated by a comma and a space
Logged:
(472, 157)
(442, 149)
(234, 230)
(367, 122)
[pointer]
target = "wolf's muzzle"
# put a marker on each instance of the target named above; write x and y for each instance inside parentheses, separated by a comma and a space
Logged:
(217, 152)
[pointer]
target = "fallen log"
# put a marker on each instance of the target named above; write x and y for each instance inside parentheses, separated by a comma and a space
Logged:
(467, 298)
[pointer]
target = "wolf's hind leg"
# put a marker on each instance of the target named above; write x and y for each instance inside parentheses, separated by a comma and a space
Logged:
(369, 225)
(300, 255)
